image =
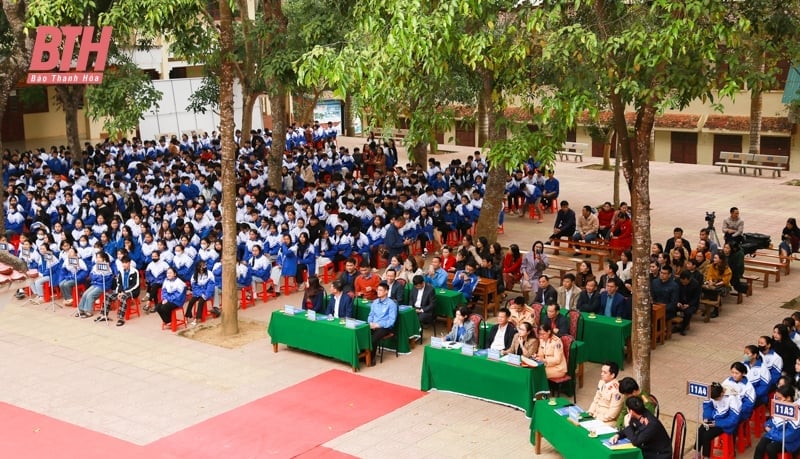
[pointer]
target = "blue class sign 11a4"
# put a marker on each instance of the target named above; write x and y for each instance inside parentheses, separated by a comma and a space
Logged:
(697, 389)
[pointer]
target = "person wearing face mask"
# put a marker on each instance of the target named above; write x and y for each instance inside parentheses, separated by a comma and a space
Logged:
(757, 373)
(771, 359)
(155, 274)
(72, 269)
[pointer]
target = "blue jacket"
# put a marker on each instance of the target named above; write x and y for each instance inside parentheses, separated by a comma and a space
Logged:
(759, 377)
(775, 433)
(287, 260)
(102, 281)
(619, 308)
(724, 413)
(465, 287)
(204, 286)
(65, 274)
(309, 259)
(177, 296)
(346, 308)
(244, 276)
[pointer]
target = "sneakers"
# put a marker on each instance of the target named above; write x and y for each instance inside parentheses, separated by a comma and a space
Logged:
(193, 322)
(101, 318)
(20, 294)
(67, 302)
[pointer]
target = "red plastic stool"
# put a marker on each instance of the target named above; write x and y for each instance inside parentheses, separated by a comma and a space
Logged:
(77, 293)
(743, 437)
(722, 447)
(381, 262)
(554, 205)
(99, 302)
(46, 289)
(784, 455)
(757, 420)
(501, 229)
(328, 274)
(134, 307)
(453, 238)
(265, 294)
(176, 322)
(286, 289)
(244, 301)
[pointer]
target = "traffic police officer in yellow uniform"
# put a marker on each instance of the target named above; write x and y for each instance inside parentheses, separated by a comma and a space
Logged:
(607, 401)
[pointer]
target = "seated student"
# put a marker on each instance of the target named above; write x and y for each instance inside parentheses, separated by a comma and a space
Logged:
(366, 284)
(100, 282)
(463, 330)
(738, 383)
(423, 299)
(173, 295)
(339, 303)
(526, 343)
(645, 431)
(628, 387)
(778, 429)
(501, 334)
(589, 299)
(203, 287)
(126, 285)
(314, 296)
(558, 322)
(465, 281)
(72, 268)
(382, 315)
(551, 352)
(607, 401)
(720, 415)
(757, 373)
(772, 361)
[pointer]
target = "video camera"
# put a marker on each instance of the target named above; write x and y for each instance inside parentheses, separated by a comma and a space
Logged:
(710, 217)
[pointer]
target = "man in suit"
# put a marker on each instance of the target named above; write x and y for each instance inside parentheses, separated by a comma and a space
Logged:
(589, 299)
(612, 304)
(395, 289)
(559, 323)
(339, 304)
(501, 335)
(568, 292)
(546, 293)
(422, 298)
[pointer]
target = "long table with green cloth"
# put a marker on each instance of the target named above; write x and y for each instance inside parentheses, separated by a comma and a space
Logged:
(605, 338)
(447, 301)
(407, 325)
(496, 381)
(329, 338)
(569, 439)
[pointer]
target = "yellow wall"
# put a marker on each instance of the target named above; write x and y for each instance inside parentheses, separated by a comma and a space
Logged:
(51, 124)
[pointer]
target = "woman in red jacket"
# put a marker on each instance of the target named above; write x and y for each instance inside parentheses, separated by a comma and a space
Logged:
(621, 234)
(511, 266)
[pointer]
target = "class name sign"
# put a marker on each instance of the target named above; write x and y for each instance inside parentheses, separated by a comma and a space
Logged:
(697, 389)
(54, 50)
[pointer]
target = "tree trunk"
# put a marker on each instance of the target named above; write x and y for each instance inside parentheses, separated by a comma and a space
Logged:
(70, 99)
(496, 180)
(306, 113)
(250, 100)
(756, 102)
(640, 204)
(279, 125)
(230, 302)
(607, 149)
(483, 121)
(273, 15)
(616, 180)
(419, 154)
(348, 129)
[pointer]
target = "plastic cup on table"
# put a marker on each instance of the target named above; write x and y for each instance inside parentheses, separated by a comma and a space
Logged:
(619, 320)
(592, 315)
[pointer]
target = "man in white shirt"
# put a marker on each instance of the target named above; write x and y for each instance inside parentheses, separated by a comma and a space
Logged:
(501, 335)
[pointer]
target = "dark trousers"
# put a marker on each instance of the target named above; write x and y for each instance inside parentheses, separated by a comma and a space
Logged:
(771, 448)
(201, 307)
(377, 335)
(705, 437)
(165, 311)
(152, 290)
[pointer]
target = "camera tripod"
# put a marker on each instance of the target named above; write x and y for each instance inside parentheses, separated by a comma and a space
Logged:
(712, 234)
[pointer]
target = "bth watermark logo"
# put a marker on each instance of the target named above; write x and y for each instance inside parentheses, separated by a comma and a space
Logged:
(53, 51)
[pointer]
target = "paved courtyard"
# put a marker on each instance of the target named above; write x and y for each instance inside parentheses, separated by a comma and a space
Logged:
(111, 379)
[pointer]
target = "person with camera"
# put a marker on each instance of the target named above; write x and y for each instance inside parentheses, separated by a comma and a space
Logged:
(733, 227)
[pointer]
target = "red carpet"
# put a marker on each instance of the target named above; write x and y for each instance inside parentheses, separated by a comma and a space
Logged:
(290, 422)
(32, 435)
(294, 422)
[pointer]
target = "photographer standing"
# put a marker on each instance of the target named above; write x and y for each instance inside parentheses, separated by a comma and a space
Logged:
(733, 227)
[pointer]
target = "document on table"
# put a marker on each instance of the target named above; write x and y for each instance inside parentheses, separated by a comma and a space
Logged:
(598, 426)
(452, 345)
(622, 443)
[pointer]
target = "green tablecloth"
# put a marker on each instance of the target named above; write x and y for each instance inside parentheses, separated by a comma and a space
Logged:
(447, 301)
(570, 440)
(479, 377)
(407, 325)
(605, 338)
(328, 338)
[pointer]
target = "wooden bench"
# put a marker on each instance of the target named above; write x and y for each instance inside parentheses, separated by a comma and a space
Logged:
(774, 163)
(574, 149)
(783, 262)
(749, 278)
(598, 249)
(765, 270)
(731, 158)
